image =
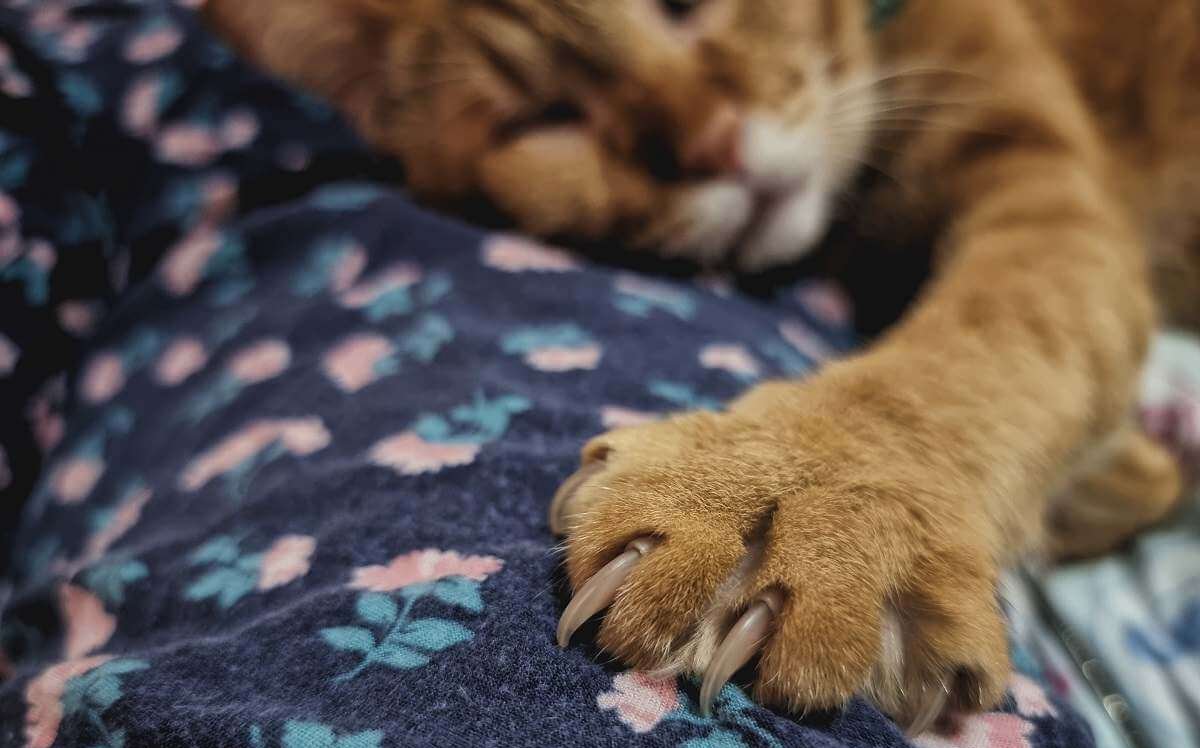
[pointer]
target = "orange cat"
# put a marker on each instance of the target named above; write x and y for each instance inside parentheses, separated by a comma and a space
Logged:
(855, 522)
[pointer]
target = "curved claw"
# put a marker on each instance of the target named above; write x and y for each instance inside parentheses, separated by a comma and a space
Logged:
(597, 592)
(565, 492)
(929, 712)
(741, 644)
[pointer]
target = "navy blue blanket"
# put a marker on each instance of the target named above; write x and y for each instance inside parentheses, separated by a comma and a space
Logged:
(300, 436)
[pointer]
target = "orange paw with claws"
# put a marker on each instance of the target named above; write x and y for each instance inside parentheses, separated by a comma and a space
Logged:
(780, 530)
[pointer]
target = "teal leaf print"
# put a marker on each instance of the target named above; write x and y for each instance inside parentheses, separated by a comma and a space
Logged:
(432, 428)
(108, 580)
(345, 197)
(368, 739)
(681, 396)
(88, 696)
(786, 357)
(221, 549)
(323, 261)
(227, 585)
(81, 94)
(235, 575)
(642, 702)
(640, 298)
(430, 334)
(459, 591)
(399, 641)
(14, 165)
(433, 634)
(349, 638)
(717, 739)
(399, 657)
(526, 339)
(401, 299)
(394, 302)
(435, 288)
(316, 735)
(308, 735)
(477, 422)
(377, 608)
(34, 277)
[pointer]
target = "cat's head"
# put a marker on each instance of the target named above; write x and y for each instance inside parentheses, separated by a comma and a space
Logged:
(693, 125)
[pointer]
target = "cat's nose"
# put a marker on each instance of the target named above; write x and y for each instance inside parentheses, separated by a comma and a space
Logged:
(716, 146)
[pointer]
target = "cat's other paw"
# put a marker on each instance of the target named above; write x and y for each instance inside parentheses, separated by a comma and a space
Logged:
(712, 537)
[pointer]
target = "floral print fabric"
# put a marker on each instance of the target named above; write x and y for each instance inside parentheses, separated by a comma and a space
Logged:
(300, 436)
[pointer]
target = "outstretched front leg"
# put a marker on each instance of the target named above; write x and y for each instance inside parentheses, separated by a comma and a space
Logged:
(850, 529)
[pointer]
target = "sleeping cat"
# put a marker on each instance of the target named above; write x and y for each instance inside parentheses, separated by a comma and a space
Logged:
(848, 528)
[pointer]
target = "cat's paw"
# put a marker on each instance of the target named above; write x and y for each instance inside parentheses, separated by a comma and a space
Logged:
(712, 537)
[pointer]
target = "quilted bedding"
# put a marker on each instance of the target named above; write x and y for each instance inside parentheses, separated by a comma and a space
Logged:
(288, 441)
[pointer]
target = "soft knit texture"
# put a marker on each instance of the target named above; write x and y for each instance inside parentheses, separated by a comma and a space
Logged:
(297, 494)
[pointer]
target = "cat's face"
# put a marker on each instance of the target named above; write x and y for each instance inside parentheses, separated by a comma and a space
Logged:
(697, 126)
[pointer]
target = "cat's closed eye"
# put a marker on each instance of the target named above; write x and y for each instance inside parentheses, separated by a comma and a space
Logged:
(680, 9)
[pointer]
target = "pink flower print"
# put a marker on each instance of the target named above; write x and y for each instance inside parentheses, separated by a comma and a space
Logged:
(10, 212)
(516, 255)
(182, 358)
(9, 353)
(261, 361)
(827, 301)
(640, 701)
(47, 424)
(239, 129)
(303, 437)
(10, 244)
(76, 39)
(139, 108)
(153, 44)
(428, 565)
(188, 144)
(353, 363)
(734, 359)
(77, 317)
(74, 478)
(219, 198)
(409, 454)
(41, 254)
(127, 514)
(300, 436)
(615, 417)
(804, 340)
(285, 561)
(88, 626)
(103, 378)
(15, 84)
(1031, 699)
(994, 730)
(563, 358)
(366, 292)
(49, 17)
(184, 264)
(43, 697)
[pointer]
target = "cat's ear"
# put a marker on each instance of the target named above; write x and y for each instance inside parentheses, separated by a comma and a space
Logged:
(331, 47)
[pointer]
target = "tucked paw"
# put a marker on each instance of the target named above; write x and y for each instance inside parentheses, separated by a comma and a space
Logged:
(713, 538)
